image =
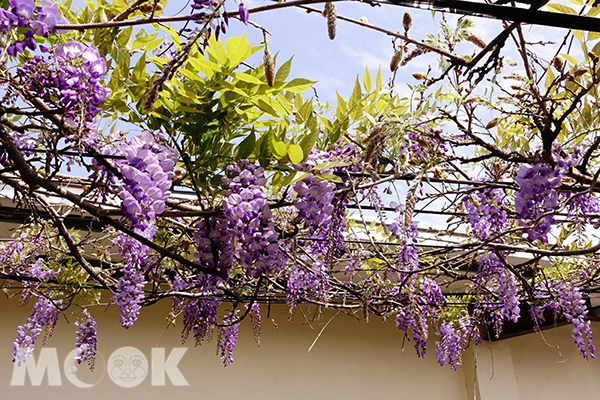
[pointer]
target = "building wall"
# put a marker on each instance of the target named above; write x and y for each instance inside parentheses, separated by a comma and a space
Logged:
(350, 360)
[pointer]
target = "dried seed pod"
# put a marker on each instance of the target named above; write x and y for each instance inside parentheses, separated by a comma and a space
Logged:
(269, 68)
(396, 60)
(493, 122)
(558, 63)
(331, 15)
(419, 76)
(476, 40)
(406, 22)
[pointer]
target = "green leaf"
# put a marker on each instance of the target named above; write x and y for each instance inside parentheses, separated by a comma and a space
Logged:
(264, 106)
(378, 80)
(139, 70)
(330, 178)
(367, 83)
(244, 77)
(593, 35)
(293, 178)
(298, 85)
(308, 142)
(207, 67)
(246, 147)
(216, 51)
(560, 8)
(278, 148)
(142, 41)
(295, 153)
(124, 36)
(329, 164)
(356, 95)
(238, 49)
(284, 71)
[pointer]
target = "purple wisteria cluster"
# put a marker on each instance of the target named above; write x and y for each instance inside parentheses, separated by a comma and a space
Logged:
(87, 341)
(422, 144)
(566, 300)
(28, 20)
(502, 292)
(147, 178)
(250, 220)
(320, 205)
(423, 300)
(147, 173)
(130, 287)
(307, 280)
(454, 339)
(199, 315)
(228, 338)
(245, 232)
(72, 74)
(486, 212)
(43, 316)
(538, 194)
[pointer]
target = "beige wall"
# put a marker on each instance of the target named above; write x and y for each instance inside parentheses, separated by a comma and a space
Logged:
(351, 360)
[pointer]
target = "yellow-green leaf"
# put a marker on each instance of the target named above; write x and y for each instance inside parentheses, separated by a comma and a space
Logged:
(295, 153)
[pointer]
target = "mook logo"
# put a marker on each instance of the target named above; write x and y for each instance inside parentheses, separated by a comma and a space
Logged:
(126, 367)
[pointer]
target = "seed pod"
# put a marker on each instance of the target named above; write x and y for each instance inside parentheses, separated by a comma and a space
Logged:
(330, 14)
(476, 40)
(269, 68)
(406, 22)
(420, 76)
(396, 60)
(493, 122)
(558, 63)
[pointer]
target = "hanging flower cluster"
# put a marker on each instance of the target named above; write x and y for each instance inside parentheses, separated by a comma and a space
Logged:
(567, 300)
(147, 178)
(246, 231)
(43, 316)
(72, 73)
(87, 341)
(29, 20)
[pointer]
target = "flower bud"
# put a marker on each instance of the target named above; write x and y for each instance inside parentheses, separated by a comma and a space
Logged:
(476, 40)
(396, 60)
(269, 68)
(330, 14)
(493, 122)
(420, 76)
(558, 63)
(580, 71)
(406, 22)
